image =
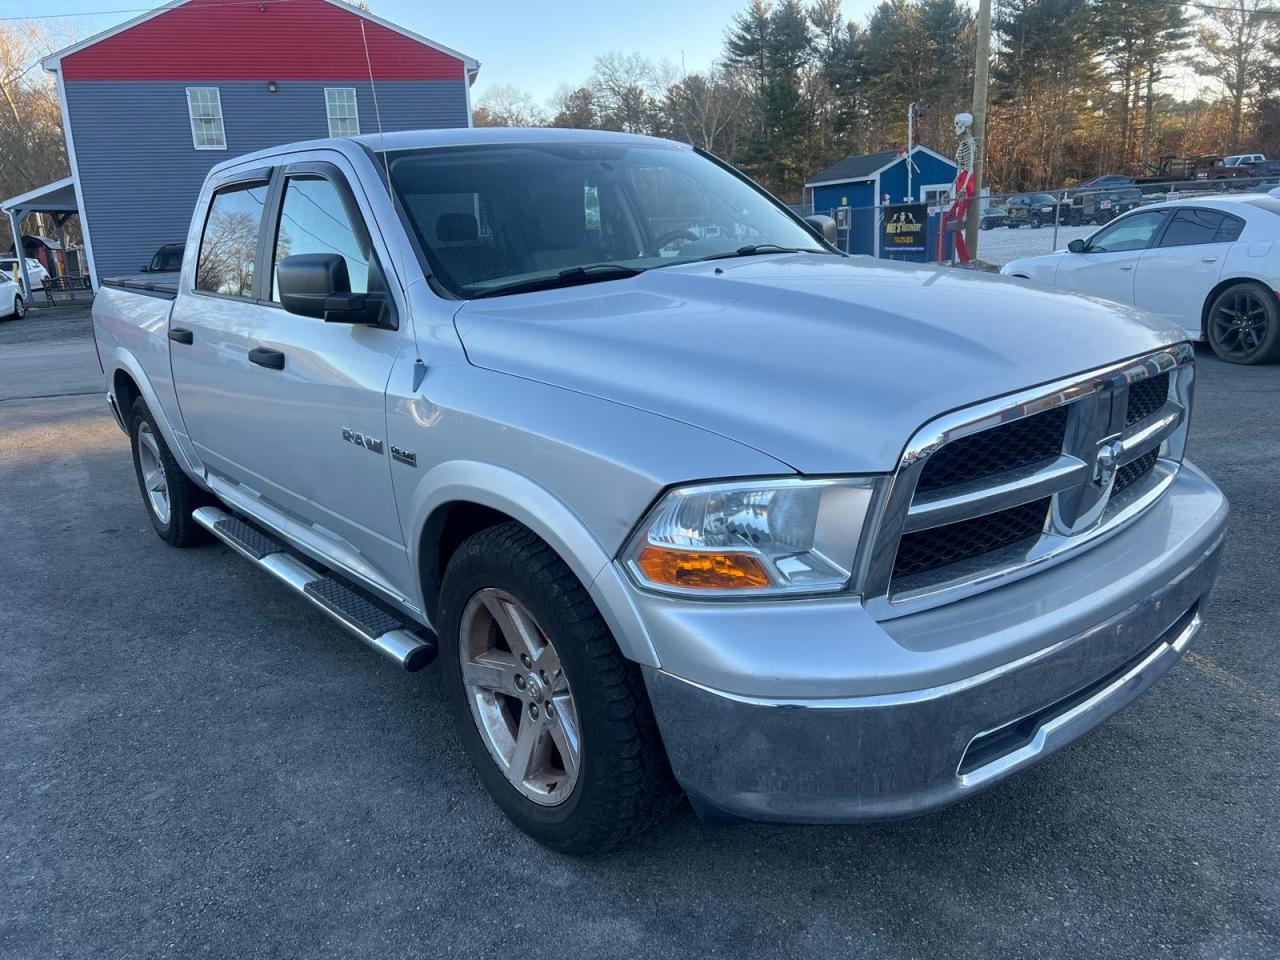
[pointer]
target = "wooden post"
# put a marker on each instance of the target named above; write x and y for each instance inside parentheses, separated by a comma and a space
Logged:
(981, 65)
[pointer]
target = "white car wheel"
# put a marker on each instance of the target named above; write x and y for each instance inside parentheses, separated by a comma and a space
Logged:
(19, 307)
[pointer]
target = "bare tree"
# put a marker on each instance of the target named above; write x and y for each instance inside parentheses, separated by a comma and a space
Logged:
(507, 106)
(1232, 51)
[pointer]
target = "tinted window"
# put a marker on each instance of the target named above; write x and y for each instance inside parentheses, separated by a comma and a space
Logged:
(230, 243)
(1192, 226)
(1127, 233)
(1230, 230)
(315, 220)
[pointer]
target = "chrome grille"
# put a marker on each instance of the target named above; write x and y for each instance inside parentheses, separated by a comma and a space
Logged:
(1006, 447)
(993, 492)
(1146, 397)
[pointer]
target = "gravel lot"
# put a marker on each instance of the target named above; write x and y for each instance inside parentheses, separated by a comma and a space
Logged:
(194, 763)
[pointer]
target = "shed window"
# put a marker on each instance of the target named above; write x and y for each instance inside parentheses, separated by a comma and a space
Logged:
(204, 104)
(344, 119)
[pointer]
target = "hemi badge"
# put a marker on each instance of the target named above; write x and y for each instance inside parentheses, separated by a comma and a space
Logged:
(404, 456)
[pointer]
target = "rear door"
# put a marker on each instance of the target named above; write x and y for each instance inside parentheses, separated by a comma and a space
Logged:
(1106, 267)
(208, 328)
(1175, 276)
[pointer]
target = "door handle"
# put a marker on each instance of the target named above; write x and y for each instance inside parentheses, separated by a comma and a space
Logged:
(1208, 259)
(181, 335)
(266, 357)
(1130, 267)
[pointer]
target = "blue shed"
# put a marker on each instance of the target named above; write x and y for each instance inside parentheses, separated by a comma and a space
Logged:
(861, 181)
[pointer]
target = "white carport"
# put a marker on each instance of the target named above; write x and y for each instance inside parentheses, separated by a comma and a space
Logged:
(58, 199)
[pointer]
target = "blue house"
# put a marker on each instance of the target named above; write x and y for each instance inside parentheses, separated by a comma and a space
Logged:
(150, 105)
(862, 181)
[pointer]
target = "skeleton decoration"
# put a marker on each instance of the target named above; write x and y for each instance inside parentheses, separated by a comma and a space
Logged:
(953, 220)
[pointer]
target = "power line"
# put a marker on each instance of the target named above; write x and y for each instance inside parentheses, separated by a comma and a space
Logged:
(112, 13)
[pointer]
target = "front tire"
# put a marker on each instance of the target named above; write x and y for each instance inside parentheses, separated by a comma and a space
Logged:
(168, 494)
(554, 718)
(1244, 324)
(19, 307)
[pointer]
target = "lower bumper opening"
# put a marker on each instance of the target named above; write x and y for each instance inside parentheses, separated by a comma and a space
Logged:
(994, 744)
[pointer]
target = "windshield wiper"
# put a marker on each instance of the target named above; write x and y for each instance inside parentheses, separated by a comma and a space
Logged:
(752, 249)
(572, 277)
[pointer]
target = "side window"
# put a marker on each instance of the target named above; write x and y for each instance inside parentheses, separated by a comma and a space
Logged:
(344, 117)
(1192, 226)
(1127, 233)
(1230, 230)
(204, 106)
(314, 219)
(229, 246)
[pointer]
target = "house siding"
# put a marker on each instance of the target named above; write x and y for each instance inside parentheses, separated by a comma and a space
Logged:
(140, 174)
(270, 40)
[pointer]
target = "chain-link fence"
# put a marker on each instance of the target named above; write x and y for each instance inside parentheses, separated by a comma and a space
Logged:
(1031, 222)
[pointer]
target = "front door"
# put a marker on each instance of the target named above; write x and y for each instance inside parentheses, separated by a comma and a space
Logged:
(1105, 268)
(320, 420)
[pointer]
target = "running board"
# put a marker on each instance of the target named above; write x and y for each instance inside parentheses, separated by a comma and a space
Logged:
(386, 633)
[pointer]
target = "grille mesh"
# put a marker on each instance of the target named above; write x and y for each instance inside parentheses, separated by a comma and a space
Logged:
(1146, 397)
(1134, 470)
(1006, 447)
(941, 546)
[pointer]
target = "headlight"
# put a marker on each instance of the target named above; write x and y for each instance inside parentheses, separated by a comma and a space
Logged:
(752, 537)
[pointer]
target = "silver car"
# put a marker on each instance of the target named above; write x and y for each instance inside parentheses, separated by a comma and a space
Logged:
(721, 512)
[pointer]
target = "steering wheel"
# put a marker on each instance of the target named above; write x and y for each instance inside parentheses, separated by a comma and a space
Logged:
(663, 239)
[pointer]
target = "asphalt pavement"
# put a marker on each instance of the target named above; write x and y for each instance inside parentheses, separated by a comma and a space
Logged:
(194, 763)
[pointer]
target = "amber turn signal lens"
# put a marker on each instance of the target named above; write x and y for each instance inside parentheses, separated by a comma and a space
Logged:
(701, 570)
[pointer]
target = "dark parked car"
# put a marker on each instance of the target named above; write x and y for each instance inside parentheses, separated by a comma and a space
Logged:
(1100, 199)
(992, 216)
(168, 259)
(1033, 209)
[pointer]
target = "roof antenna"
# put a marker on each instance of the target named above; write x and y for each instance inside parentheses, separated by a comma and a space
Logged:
(419, 369)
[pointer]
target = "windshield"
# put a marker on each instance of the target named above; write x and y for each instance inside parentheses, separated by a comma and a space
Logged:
(529, 216)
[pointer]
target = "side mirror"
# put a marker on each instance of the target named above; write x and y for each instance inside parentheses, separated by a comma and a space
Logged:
(825, 226)
(1077, 246)
(317, 285)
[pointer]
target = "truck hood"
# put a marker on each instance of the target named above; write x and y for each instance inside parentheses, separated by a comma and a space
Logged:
(826, 363)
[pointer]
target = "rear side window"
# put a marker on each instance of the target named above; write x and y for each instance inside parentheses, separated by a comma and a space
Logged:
(1193, 226)
(1230, 230)
(229, 246)
(315, 220)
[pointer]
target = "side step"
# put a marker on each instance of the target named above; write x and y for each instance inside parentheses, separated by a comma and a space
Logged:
(385, 632)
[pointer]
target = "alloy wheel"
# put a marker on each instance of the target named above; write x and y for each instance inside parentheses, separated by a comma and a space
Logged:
(519, 697)
(1239, 324)
(154, 481)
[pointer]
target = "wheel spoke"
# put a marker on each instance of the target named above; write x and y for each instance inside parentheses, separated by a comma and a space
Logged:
(492, 670)
(518, 629)
(529, 743)
(565, 734)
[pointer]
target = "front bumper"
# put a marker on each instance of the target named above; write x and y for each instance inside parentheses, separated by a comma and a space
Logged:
(903, 752)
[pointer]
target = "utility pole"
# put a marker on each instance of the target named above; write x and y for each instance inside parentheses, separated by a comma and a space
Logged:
(981, 65)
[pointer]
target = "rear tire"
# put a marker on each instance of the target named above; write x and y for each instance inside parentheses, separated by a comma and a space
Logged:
(169, 495)
(507, 593)
(1243, 324)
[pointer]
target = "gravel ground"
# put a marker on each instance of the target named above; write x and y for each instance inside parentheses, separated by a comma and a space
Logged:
(195, 763)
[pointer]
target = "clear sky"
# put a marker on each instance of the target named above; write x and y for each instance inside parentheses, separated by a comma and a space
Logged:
(534, 45)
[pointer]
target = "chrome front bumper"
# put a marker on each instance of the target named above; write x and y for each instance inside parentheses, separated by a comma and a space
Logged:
(893, 754)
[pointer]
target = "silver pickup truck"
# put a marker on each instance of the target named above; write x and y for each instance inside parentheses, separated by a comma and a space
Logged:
(686, 500)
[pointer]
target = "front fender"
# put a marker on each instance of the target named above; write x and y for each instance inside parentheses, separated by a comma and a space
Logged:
(512, 493)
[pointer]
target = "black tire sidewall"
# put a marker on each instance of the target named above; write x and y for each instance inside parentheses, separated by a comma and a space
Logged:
(1269, 352)
(469, 572)
(140, 415)
(19, 307)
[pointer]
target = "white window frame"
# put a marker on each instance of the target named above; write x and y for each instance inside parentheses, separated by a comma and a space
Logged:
(355, 110)
(191, 114)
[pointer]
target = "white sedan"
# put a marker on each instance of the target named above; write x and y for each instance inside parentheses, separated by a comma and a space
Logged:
(12, 303)
(1210, 264)
(35, 270)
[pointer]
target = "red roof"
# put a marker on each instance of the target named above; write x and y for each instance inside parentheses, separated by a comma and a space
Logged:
(270, 40)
